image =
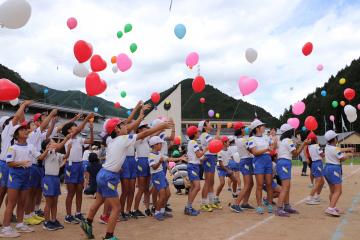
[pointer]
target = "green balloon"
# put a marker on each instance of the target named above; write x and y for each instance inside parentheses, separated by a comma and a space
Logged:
(176, 154)
(119, 34)
(335, 104)
(123, 94)
(127, 28)
(133, 47)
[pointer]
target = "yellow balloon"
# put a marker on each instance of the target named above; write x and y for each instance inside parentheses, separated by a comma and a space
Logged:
(217, 115)
(342, 81)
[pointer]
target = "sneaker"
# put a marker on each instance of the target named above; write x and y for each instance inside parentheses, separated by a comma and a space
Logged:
(168, 209)
(23, 228)
(139, 214)
(259, 210)
(58, 225)
(40, 213)
(310, 185)
(123, 217)
(312, 201)
(32, 221)
(317, 199)
(266, 202)
(132, 215)
(291, 210)
(79, 217)
(205, 208)
(216, 206)
(270, 208)
(49, 226)
(87, 228)
(38, 218)
(167, 215)
(179, 192)
(191, 212)
(246, 206)
(148, 213)
(70, 219)
(9, 233)
(112, 238)
(236, 208)
(281, 213)
(332, 212)
(104, 219)
(159, 217)
(153, 210)
(338, 210)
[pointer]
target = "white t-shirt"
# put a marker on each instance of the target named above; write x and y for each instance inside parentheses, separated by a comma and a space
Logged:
(165, 147)
(130, 151)
(333, 154)
(52, 163)
(142, 147)
(116, 152)
(224, 156)
(286, 146)
(192, 148)
(154, 158)
(76, 149)
(86, 154)
(315, 152)
(242, 147)
(205, 139)
(6, 137)
(18, 152)
(260, 143)
(36, 137)
(234, 153)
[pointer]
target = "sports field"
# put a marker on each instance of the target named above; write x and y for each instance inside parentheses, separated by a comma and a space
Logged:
(310, 224)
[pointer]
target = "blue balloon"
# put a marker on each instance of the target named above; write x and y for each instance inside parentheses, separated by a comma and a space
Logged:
(303, 129)
(247, 130)
(46, 91)
(323, 93)
(96, 109)
(180, 30)
(128, 112)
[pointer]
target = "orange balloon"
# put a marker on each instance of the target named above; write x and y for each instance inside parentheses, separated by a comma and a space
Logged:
(229, 125)
(342, 103)
(113, 59)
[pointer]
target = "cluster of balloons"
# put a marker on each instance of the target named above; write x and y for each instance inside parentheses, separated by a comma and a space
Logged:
(8, 90)
(14, 13)
(71, 23)
(247, 85)
(192, 59)
(180, 31)
(198, 84)
(127, 28)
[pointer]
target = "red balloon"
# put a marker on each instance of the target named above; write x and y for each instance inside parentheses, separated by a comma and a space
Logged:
(311, 123)
(177, 141)
(307, 48)
(349, 94)
(82, 51)
(202, 100)
(198, 84)
(97, 64)
(155, 97)
(94, 85)
(215, 146)
(117, 105)
(8, 90)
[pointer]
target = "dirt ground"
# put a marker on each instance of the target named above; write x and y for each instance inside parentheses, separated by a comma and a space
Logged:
(310, 224)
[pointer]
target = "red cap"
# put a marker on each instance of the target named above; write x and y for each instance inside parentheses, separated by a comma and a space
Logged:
(224, 139)
(312, 136)
(238, 125)
(111, 125)
(191, 131)
(36, 117)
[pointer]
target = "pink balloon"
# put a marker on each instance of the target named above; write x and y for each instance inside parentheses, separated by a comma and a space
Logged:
(358, 106)
(171, 164)
(247, 85)
(298, 108)
(320, 67)
(192, 59)
(71, 23)
(332, 118)
(123, 62)
(294, 122)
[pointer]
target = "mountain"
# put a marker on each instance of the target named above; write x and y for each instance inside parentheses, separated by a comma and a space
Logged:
(321, 107)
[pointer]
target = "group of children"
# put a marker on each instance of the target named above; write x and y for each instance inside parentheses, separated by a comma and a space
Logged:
(136, 155)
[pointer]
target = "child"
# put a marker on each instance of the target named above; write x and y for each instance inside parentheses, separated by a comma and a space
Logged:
(91, 172)
(234, 165)
(316, 155)
(223, 169)
(333, 172)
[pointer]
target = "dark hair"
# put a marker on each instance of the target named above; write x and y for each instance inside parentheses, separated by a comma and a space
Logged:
(238, 132)
(206, 122)
(66, 128)
(253, 132)
(287, 134)
(273, 128)
(44, 144)
(93, 158)
(113, 134)
(192, 137)
(7, 122)
(332, 140)
(16, 134)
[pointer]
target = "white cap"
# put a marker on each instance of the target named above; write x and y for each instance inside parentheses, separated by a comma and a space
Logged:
(155, 140)
(330, 135)
(231, 138)
(143, 124)
(2, 121)
(201, 125)
(256, 123)
(285, 127)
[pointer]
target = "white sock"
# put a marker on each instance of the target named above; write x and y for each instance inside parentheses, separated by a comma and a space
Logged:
(211, 197)
(8, 228)
(204, 201)
(26, 216)
(37, 207)
(162, 210)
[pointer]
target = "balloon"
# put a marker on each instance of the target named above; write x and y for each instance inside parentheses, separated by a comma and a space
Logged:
(177, 140)
(14, 13)
(217, 115)
(211, 113)
(198, 84)
(350, 113)
(80, 70)
(172, 164)
(247, 85)
(202, 100)
(294, 122)
(71, 23)
(117, 105)
(311, 123)
(175, 154)
(113, 59)
(247, 130)
(251, 55)
(320, 67)
(298, 108)
(8, 90)
(119, 34)
(342, 103)
(352, 119)
(14, 102)
(334, 104)
(133, 47)
(123, 94)
(46, 91)
(123, 62)
(342, 81)
(94, 85)
(307, 48)
(97, 64)
(215, 146)
(155, 97)
(303, 129)
(127, 28)
(349, 94)
(192, 59)
(180, 30)
(167, 105)
(115, 69)
(82, 51)
(332, 118)
(96, 109)
(229, 125)
(323, 93)
(128, 112)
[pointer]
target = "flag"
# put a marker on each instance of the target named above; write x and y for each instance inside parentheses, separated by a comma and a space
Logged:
(343, 124)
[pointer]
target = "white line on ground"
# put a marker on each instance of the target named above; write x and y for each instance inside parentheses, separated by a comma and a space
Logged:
(247, 230)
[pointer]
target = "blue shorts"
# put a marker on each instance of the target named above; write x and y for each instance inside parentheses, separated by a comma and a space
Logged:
(107, 183)
(159, 180)
(193, 171)
(273, 185)
(234, 166)
(19, 178)
(283, 168)
(129, 168)
(35, 176)
(246, 166)
(74, 174)
(333, 173)
(51, 186)
(262, 164)
(317, 169)
(85, 164)
(222, 172)
(4, 173)
(143, 169)
(209, 163)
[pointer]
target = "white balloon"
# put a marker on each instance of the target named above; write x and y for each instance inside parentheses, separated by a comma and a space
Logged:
(14, 102)
(14, 13)
(115, 68)
(352, 118)
(251, 55)
(80, 70)
(350, 110)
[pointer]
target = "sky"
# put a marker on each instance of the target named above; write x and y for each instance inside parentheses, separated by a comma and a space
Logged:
(218, 30)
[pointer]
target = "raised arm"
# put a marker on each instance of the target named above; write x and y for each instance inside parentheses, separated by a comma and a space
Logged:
(300, 148)
(91, 139)
(134, 111)
(63, 142)
(159, 127)
(82, 125)
(136, 123)
(47, 120)
(218, 129)
(19, 115)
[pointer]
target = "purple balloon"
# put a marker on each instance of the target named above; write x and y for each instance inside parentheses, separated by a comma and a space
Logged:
(211, 113)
